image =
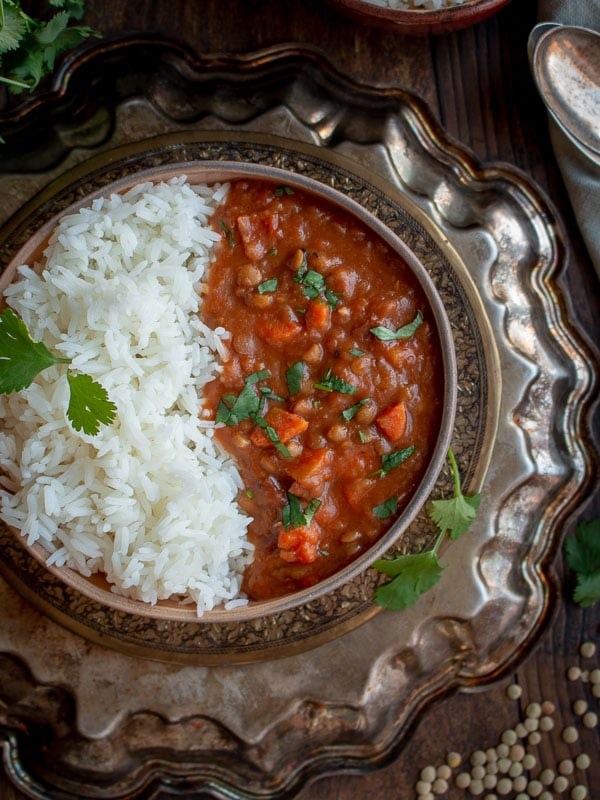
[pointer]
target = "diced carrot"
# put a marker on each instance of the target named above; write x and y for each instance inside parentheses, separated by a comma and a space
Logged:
(299, 545)
(285, 423)
(277, 331)
(317, 316)
(256, 232)
(392, 421)
(312, 464)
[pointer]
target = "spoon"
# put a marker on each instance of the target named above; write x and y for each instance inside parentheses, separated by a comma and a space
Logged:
(565, 62)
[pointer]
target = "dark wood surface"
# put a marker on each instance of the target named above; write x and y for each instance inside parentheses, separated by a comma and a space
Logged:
(477, 83)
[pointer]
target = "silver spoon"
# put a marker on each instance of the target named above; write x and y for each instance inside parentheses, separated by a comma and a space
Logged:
(565, 62)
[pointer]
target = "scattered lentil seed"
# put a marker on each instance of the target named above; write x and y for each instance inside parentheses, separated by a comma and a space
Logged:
(580, 707)
(478, 758)
(590, 719)
(546, 776)
(596, 690)
(427, 796)
(502, 750)
(427, 774)
(453, 759)
(529, 761)
(439, 786)
(534, 710)
(444, 772)
(522, 796)
(520, 783)
(490, 781)
(560, 784)
(574, 674)
(492, 767)
(566, 766)
(514, 691)
(579, 792)
(587, 649)
(491, 754)
(521, 730)
(546, 723)
(462, 780)
(534, 738)
(476, 787)
(531, 724)
(491, 797)
(570, 734)
(478, 773)
(504, 786)
(517, 752)
(583, 761)
(585, 676)
(548, 707)
(545, 795)
(595, 676)
(534, 788)
(504, 765)
(423, 787)
(516, 769)
(508, 737)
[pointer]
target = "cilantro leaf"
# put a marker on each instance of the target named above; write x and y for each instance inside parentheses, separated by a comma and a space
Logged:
(412, 575)
(293, 376)
(271, 434)
(231, 409)
(331, 383)
(390, 461)
(21, 359)
(350, 413)
(386, 509)
(88, 404)
(292, 514)
(583, 557)
(12, 28)
(313, 284)
(456, 514)
(405, 332)
(268, 286)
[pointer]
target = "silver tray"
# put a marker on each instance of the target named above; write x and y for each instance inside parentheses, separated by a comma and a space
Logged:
(83, 715)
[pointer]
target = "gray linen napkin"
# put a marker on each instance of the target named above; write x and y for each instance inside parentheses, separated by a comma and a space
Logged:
(581, 176)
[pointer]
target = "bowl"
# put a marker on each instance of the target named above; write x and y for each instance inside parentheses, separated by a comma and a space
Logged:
(200, 171)
(419, 21)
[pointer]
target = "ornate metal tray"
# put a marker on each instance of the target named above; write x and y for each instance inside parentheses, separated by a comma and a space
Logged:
(83, 715)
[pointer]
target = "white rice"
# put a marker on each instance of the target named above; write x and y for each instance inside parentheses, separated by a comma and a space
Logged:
(151, 499)
(418, 5)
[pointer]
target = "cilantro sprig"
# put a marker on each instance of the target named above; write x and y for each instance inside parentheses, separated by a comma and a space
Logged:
(22, 359)
(29, 47)
(413, 574)
(330, 382)
(314, 285)
(294, 516)
(583, 557)
(405, 332)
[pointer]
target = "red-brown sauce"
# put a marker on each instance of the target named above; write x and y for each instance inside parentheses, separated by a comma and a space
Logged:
(300, 283)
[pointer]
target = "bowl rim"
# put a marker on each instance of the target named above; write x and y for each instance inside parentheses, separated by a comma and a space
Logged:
(217, 170)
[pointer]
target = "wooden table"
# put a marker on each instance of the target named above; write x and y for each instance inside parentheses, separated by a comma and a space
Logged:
(477, 83)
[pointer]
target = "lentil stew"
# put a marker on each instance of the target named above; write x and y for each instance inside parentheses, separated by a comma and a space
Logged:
(332, 393)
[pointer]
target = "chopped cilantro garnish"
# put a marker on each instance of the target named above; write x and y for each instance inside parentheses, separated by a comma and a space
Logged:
(415, 573)
(350, 413)
(313, 284)
(270, 285)
(292, 514)
(405, 332)
(355, 352)
(331, 383)
(281, 190)
(294, 377)
(390, 461)
(22, 359)
(386, 509)
(583, 557)
(228, 233)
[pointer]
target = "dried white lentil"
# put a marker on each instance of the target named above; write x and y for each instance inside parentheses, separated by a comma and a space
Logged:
(534, 710)
(444, 772)
(595, 676)
(522, 796)
(504, 765)
(570, 734)
(439, 786)
(579, 792)
(590, 719)
(548, 707)
(476, 787)
(428, 774)
(514, 691)
(491, 754)
(462, 780)
(596, 690)
(585, 676)
(521, 730)
(583, 761)
(545, 795)
(529, 761)
(520, 783)
(491, 797)
(566, 766)
(453, 759)
(504, 786)
(534, 788)
(534, 738)
(587, 649)
(492, 767)
(561, 784)
(502, 750)
(478, 773)
(516, 769)
(580, 707)
(546, 723)
(531, 724)
(478, 758)
(423, 787)
(547, 776)
(517, 752)
(508, 737)
(574, 674)
(490, 781)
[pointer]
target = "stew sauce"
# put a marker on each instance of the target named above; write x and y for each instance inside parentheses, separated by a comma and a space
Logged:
(332, 391)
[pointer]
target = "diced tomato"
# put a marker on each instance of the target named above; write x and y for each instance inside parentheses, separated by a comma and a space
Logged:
(299, 545)
(318, 316)
(285, 423)
(256, 232)
(392, 421)
(277, 331)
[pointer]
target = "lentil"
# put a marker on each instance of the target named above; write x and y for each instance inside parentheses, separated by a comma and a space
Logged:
(529, 761)
(566, 766)
(570, 734)
(546, 724)
(590, 719)
(514, 691)
(453, 759)
(587, 649)
(439, 786)
(578, 792)
(534, 710)
(595, 676)
(560, 784)
(462, 780)
(582, 761)
(534, 788)
(476, 787)
(444, 772)
(574, 674)
(504, 786)
(580, 707)
(534, 738)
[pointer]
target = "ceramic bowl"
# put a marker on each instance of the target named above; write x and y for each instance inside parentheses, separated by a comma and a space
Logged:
(96, 588)
(420, 22)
